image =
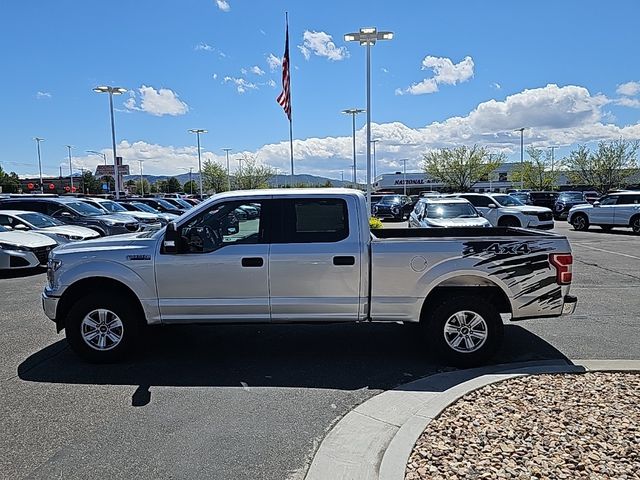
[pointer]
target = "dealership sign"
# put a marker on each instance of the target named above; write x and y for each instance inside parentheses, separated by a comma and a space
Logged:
(102, 170)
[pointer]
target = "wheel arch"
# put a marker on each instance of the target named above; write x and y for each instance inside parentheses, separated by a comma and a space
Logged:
(91, 285)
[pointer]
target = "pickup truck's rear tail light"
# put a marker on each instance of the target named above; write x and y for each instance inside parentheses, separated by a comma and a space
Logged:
(562, 262)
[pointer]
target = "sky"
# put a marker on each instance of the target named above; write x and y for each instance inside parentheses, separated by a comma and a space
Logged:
(455, 73)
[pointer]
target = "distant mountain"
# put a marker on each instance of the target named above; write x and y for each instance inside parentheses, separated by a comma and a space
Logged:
(276, 181)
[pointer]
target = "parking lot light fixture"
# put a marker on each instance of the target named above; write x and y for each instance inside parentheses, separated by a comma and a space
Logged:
(198, 131)
(368, 36)
(521, 130)
(69, 147)
(103, 155)
(38, 140)
(227, 150)
(353, 112)
(113, 91)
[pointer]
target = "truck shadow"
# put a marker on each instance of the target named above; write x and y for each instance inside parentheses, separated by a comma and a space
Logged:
(347, 357)
(21, 273)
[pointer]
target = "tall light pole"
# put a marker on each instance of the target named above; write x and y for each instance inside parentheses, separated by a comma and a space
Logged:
(103, 155)
(69, 147)
(552, 148)
(38, 140)
(141, 178)
(227, 150)
(198, 131)
(353, 112)
(373, 142)
(368, 37)
(342, 175)
(521, 130)
(404, 176)
(113, 91)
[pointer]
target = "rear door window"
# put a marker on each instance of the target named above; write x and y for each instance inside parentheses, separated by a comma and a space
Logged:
(314, 220)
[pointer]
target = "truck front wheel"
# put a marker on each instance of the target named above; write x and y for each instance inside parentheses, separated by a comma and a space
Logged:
(465, 330)
(101, 330)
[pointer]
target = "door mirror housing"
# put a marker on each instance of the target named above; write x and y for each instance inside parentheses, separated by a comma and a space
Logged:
(171, 241)
(66, 215)
(492, 205)
(21, 227)
(596, 203)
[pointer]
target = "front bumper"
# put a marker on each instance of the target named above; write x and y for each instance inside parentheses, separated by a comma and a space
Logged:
(50, 305)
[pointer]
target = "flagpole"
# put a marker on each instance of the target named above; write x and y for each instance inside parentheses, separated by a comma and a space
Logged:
(291, 147)
(286, 16)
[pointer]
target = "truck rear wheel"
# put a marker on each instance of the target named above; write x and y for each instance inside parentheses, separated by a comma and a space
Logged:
(101, 330)
(465, 330)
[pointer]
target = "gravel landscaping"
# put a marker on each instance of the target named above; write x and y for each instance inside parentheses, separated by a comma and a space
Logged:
(547, 426)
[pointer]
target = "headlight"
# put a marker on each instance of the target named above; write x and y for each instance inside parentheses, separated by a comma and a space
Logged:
(7, 246)
(52, 266)
(533, 214)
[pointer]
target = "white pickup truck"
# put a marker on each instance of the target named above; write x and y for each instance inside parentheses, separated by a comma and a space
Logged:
(308, 256)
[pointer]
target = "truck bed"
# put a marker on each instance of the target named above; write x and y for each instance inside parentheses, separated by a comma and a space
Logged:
(457, 232)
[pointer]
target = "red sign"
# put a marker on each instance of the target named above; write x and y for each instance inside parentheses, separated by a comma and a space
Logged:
(52, 186)
(30, 186)
(66, 189)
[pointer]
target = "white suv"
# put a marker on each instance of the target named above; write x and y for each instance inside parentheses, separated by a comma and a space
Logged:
(620, 209)
(506, 211)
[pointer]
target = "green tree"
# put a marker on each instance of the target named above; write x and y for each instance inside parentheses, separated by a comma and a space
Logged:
(253, 174)
(143, 187)
(609, 166)
(90, 184)
(460, 168)
(173, 185)
(9, 182)
(191, 186)
(161, 186)
(214, 178)
(537, 173)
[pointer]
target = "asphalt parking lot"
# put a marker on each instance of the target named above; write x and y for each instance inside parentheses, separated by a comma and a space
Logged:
(254, 401)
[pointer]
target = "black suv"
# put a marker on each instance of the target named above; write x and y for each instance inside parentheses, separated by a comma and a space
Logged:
(565, 201)
(396, 207)
(543, 199)
(159, 204)
(73, 212)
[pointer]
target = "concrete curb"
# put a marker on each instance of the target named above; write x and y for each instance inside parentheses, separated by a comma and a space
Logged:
(375, 440)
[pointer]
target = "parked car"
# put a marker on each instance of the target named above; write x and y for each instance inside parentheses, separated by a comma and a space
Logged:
(21, 220)
(564, 203)
(191, 201)
(159, 204)
(251, 211)
(396, 207)
(620, 209)
(133, 206)
(505, 211)
(311, 258)
(524, 197)
(544, 199)
(148, 221)
(73, 211)
(19, 250)
(591, 196)
(446, 212)
(178, 203)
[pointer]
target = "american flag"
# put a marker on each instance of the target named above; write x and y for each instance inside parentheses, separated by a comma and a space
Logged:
(284, 99)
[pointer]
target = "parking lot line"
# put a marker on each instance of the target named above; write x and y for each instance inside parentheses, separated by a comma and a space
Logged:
(606, 251)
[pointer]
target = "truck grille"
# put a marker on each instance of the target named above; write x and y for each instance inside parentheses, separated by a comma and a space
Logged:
(132, 227)
(42, 254)
(545, 217)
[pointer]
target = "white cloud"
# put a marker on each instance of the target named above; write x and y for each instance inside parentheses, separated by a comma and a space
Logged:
(241, 84)
(215, 77)
(629, 89)
(243, 71)
(41, 95)
(553, 115)
(321, 44)
(204, 47)
(272, 83)
(273, 62)
(257, 70)
(262, 32)
(496, 85)
(384, 70)
(157, 102)
(223, 5)
(628, 102)
(445, 72)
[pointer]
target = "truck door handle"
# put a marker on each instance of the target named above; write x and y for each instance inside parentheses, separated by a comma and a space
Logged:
(347, 260)
(252, 262)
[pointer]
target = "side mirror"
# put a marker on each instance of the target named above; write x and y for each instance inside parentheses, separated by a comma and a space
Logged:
(66, 215)
(596, 203)
(492, 205)
(21, 226)
(171, 240)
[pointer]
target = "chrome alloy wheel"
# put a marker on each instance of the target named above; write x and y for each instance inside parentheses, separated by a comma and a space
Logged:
(465, 331)
(636, 225)
(102, 329)
(580, 222)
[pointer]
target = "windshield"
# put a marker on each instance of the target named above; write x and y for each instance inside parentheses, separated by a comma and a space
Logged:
(113, 207)
(389, 199)
(451, 210)
(181, 202)
(144, 207)
(84, 209)
(573, 196)
(3, 229)
(38, 220)
(507, 201)
(165, 204)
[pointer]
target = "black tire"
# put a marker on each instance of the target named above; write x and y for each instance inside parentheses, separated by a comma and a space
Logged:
(123, 309)
(635, 224)
(470, 307)
(509, 222)
(101, 232)
(580, 222)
